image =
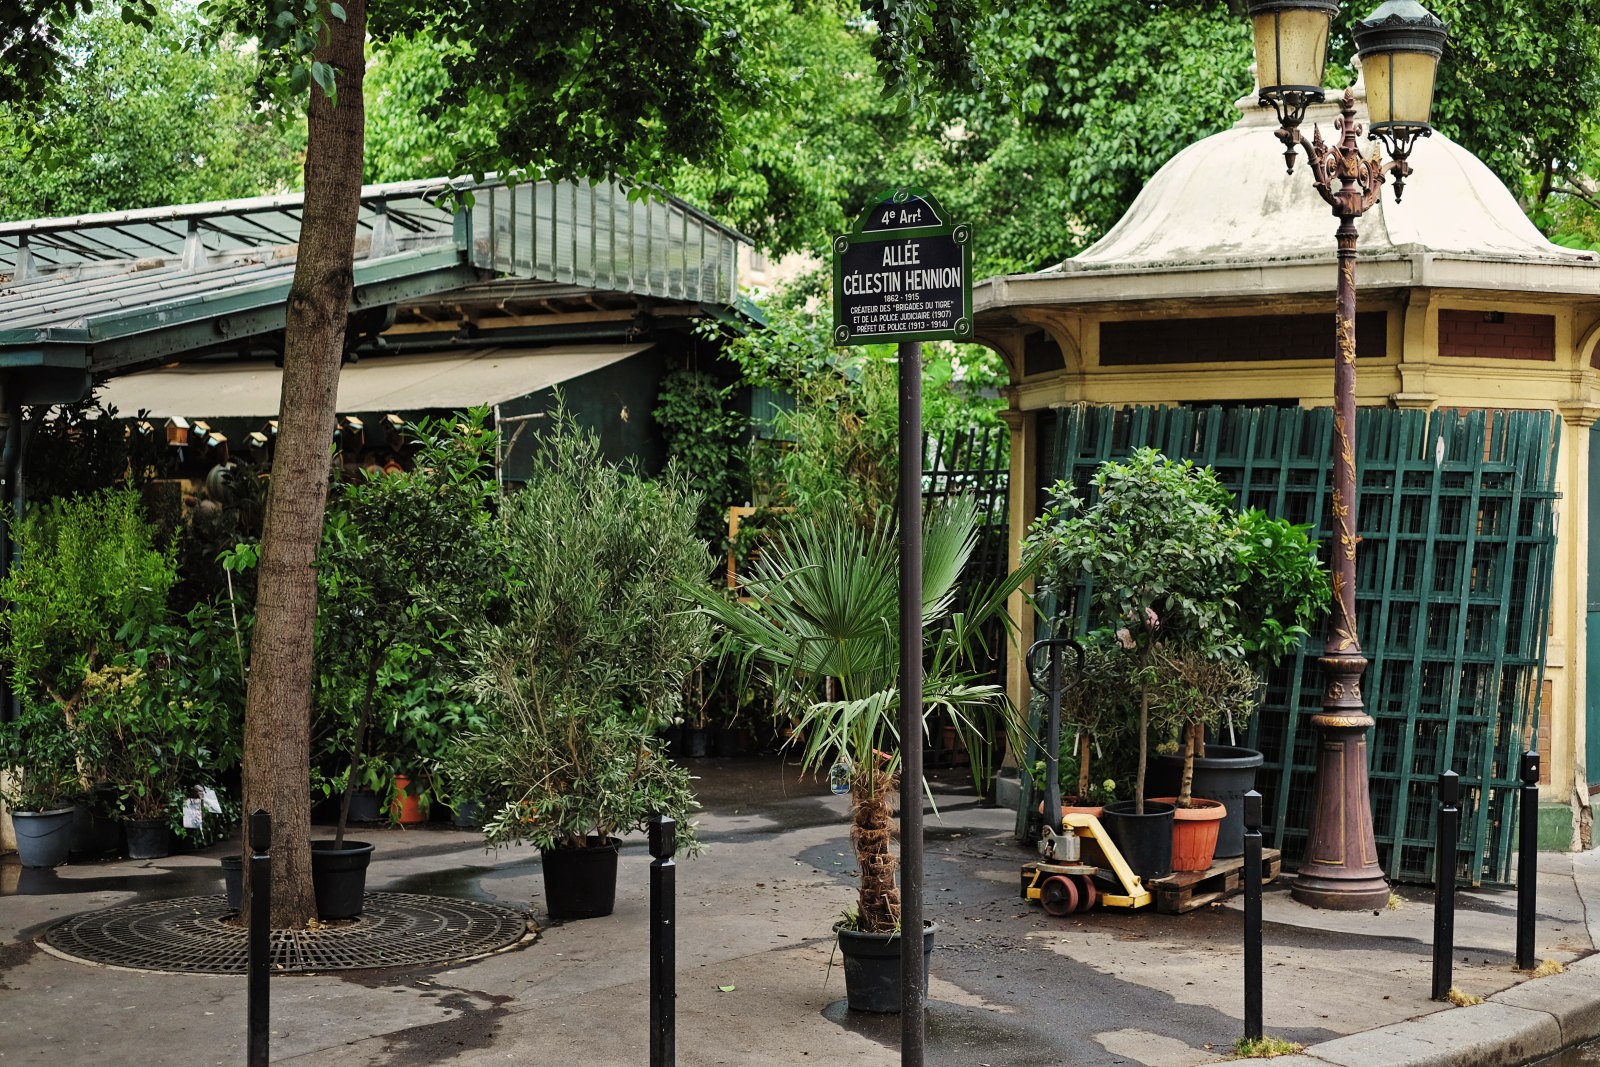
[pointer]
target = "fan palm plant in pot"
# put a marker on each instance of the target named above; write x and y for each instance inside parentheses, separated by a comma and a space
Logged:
(586, 662)
(817, 618)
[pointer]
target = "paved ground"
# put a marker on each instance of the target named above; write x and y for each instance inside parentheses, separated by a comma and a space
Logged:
(1009, 985)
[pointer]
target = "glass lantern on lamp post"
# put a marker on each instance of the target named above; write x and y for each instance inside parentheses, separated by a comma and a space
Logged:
(1399, 44)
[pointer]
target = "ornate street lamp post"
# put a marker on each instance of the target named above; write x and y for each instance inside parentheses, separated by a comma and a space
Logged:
(1400, 44)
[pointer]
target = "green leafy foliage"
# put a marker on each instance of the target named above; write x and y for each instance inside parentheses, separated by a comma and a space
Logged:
(87, 568)
(590, 656)
(41, 755)
(143, 115)
(705, 438)
(1198, 596)
(1098, 710)
(149, 703)
(837, 446)
(409, 562)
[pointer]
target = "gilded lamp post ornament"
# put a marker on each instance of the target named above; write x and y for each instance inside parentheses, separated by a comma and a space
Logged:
(1400, 44)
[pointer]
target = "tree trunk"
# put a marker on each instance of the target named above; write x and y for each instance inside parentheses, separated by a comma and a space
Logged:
(1186, 783)
(1083, 767)
(871, 828)
(277, 752)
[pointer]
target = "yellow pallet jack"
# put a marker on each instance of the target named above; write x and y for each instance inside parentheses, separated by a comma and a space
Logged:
(1080, 866)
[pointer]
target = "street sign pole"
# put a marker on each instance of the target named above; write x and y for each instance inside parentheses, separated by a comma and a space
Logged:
(913, 995)
(903, 274)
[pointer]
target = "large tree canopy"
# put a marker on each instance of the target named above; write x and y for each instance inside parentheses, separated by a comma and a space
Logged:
(140, 117)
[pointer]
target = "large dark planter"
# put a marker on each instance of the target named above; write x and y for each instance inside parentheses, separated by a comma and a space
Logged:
(233, 882)
(696, 742)
(43, 837)
(580, 883)
(94, 836)
(339, 878)
(729, 741)
(467, 815)
(1225, 773)
(1145, 841)
(364, 807)
(148, 839)
(872, 968)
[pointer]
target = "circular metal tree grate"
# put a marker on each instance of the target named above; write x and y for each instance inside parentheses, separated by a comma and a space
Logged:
(188, 935)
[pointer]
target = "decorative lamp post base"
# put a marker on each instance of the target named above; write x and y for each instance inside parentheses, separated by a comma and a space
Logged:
(1341, 870)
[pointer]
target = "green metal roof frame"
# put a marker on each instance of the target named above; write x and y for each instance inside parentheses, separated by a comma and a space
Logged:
(111, 292)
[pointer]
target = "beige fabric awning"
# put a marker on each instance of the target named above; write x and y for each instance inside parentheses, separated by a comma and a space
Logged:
(454, 380)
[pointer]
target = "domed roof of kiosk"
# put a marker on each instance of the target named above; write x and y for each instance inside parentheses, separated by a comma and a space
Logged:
(1226, 201)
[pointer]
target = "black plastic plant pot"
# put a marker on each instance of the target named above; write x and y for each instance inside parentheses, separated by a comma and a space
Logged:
(696, 742)
(233, 882)
(1224, 774)
(339, 878)
(1145, 841)
(580, 883)
(148, 839)
(872, 968)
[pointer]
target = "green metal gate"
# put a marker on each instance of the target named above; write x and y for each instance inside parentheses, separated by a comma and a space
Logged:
(1453, 590)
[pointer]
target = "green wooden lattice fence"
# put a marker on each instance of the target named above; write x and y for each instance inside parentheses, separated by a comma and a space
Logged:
(1456, 517)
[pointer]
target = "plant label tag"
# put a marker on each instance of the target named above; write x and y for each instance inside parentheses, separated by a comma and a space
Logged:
(192, 814)
(208, 798)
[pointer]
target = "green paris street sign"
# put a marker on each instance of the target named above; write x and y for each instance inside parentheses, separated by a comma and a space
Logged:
(902, 273)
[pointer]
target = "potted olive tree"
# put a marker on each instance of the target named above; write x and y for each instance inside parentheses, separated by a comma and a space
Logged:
(816, 617)
(584, 664)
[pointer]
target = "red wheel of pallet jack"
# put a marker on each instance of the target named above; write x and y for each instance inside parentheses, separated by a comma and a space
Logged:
(1058, 895)
(1087, 894)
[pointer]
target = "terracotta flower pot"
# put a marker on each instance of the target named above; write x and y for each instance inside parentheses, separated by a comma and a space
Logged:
(409, 810)
(1194, 832)
(1096, 810)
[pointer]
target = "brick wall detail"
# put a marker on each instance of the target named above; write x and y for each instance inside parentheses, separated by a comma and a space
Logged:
(1496, 335)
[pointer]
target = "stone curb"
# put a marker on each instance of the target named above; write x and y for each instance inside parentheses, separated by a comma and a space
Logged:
(1515, 1027)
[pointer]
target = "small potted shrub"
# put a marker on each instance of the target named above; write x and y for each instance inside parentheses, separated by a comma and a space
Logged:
(816, 615)
(160, 720)
(40, 754)
(584, 665)
(90, 575)
(1197, 596)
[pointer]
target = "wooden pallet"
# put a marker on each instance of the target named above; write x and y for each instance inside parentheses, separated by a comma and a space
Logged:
(1188, 890)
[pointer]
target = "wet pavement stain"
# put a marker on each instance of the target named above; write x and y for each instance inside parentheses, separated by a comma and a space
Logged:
(463, 883)
(155, 882)
(14, 954)
(475, 1026)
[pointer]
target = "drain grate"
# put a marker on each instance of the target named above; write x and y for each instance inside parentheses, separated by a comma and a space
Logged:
(187, 935)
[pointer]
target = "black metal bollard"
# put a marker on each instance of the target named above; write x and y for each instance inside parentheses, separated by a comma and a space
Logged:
(259, 958)
(1527, 859)
(1252, 915)
(1444, 884)
(663, 943)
